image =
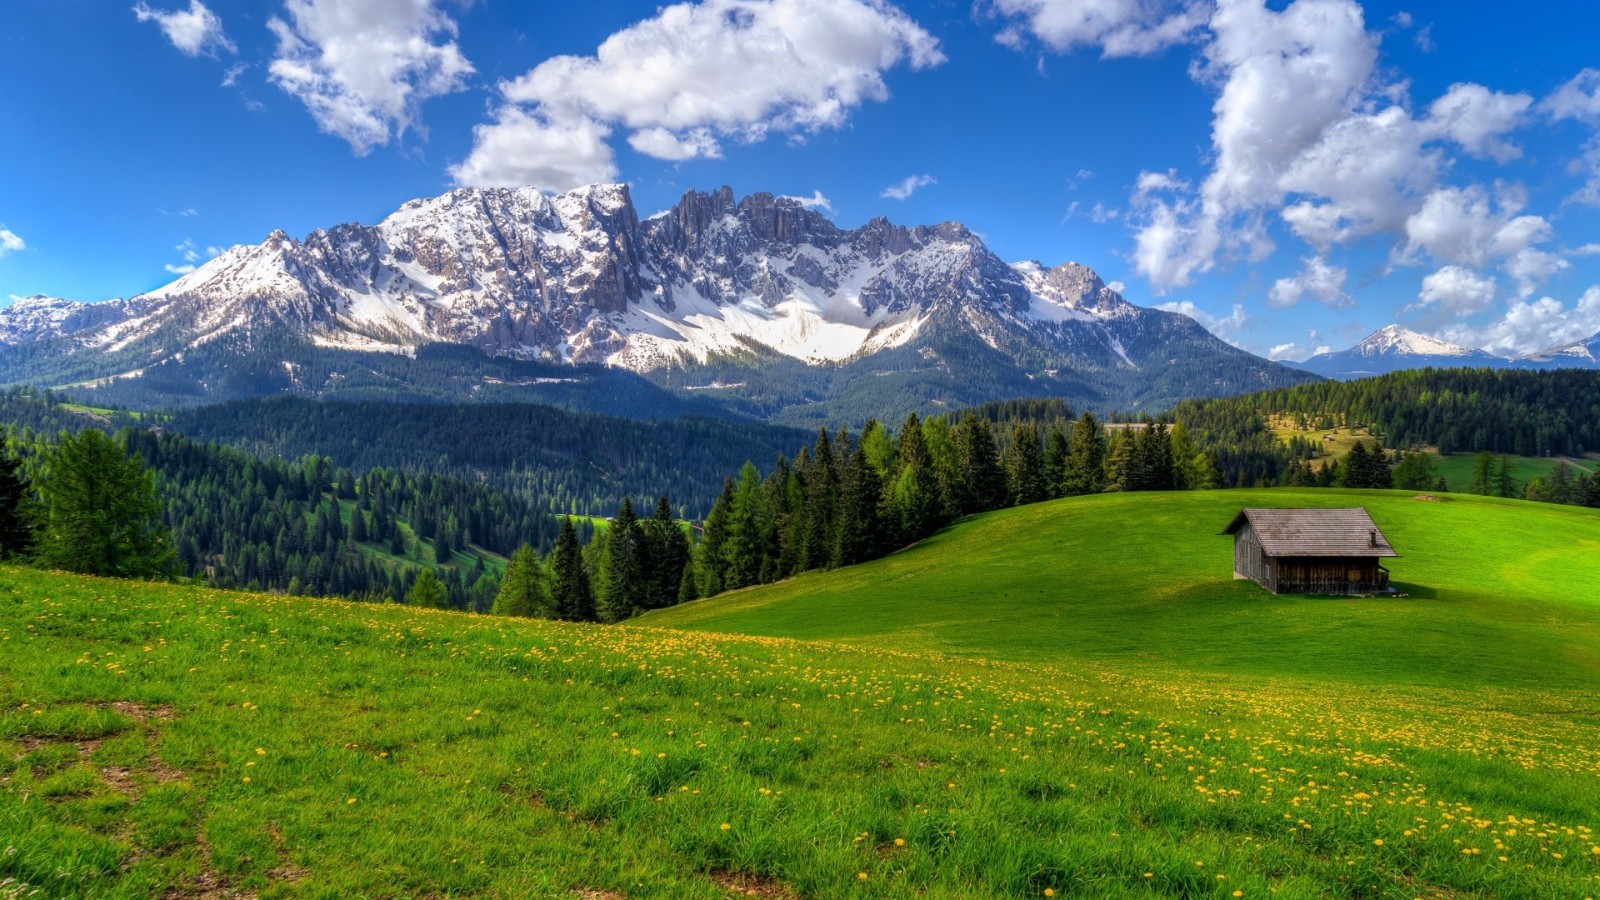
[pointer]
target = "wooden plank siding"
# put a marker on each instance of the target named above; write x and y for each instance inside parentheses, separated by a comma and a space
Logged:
(1310, 551)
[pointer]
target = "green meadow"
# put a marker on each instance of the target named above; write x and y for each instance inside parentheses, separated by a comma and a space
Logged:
(1069, 699)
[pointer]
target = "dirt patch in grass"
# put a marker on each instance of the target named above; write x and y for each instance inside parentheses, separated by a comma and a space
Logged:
(743, 884)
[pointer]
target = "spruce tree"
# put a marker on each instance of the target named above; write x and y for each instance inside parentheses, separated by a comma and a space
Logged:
(711, 564)
(101, 512)
(1505, 485)
(427, 591)
(570, 590)
(1056, 451)
(669, 556)
(744, 545)
(625, 570)
(1025, 476)
(523, 590)
(914, 493)
(821, 505)
(1086, 458)
(859, 534)
(981, 481)
(1482, 474)
(16, 535)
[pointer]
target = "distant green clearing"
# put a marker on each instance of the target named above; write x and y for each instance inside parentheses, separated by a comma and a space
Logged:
(1457, 468)
(1502, 593)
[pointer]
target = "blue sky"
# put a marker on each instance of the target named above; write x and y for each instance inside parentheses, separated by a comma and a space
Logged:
(1295, 175)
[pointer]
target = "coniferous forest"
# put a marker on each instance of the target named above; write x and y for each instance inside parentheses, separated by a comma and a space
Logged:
(425, 504)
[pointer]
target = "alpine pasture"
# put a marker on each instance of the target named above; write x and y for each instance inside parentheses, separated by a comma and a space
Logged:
(1066, 699)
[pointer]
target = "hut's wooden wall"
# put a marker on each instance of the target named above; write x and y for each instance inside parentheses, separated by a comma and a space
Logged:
(1328, 575)
(1248, 559)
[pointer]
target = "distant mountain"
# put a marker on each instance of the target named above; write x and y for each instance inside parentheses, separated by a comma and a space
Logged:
(1578, 354)
(760, 303)
(1393, 348)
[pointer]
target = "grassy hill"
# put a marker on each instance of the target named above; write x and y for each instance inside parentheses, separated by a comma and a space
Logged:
(1156, 731)
(1144, 580)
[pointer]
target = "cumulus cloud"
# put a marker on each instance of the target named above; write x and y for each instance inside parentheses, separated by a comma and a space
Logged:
(521, 148)
(1317, 280)
(364, 67)
(815, 201)
(1308, 128)
(907, 186)
(681, 83)
(1528, 327)
(1468, 227)
(1456, 291)
(1116, 27)
(194, 31)
(1478, 119)
(1224, 327)
(1579, 99)
(10, 242)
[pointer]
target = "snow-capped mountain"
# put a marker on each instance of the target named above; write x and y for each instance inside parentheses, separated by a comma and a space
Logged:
(1392, 348)
(710, 286)
(1584, 354)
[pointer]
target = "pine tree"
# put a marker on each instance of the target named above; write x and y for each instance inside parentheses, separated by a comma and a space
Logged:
(744, 545)
(821, 505)
(16, 535)
(1356, 466)
(859, 533)
(1125, 466)
(427, 591)
(1482, 474)
(712, 566)
(102, 515)
(1505, 485)
(1025, 477)
(523, 590)
(626, 576)
(981, 482)
(570, 590)
(1056, 451)
(914, 494)
(1086, 458)
(669, 556)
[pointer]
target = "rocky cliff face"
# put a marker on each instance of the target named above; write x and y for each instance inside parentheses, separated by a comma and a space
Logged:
(579, 278)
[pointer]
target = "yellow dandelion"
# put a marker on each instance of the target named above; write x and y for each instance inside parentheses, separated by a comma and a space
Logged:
(1049, 892)
(1377, 842)
(726, 826)
(899, 842)
(351, 802)
(861, 876)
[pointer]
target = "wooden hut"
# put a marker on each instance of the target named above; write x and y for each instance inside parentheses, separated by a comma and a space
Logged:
(1310, 551)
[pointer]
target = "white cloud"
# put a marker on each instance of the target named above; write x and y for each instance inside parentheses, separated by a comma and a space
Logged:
(1530, 327)
(904, 188)
(520, 148)
(184, 269)
(1307, 127)
(681, 83)
(815, 201)
(1478, 118)
(1117, 27)
(1296, 352)
(10, 242)
(194, 31)
(1117, 286)
(1466, 227)
(1578, 99)
(1586, 250)
(1457, 291)
(1223, 327)
(364, 67)
(1318, 280)
(231, 77)
(189, 252)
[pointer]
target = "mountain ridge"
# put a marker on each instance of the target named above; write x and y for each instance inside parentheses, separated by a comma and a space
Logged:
(755, 285)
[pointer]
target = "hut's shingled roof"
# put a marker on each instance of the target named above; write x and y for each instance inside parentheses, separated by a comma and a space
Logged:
(1315, 532)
